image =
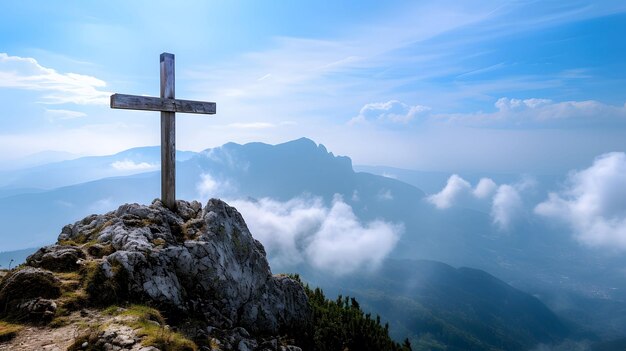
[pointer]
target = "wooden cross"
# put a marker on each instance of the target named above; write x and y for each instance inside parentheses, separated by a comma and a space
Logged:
(168, 106)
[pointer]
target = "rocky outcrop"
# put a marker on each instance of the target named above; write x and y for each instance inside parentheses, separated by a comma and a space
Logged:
(199, 266)
(195, 261)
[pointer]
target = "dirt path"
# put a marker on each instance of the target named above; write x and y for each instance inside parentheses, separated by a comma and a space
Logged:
(46, 339)
(51, 339)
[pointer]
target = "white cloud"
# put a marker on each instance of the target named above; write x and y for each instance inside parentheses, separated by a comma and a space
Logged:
(543, 112)
(507, 205)
(455, 187)
(331, 239)
(55, 115)
(59, 88)
(484, 188)
(506, 201)
(209, 187)
(391, 111)
(129, 165)
(343, 244)
(506, 104)
(283, 227)
(593, 203)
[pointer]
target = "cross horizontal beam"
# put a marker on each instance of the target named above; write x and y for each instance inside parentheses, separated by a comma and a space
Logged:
(136, 102)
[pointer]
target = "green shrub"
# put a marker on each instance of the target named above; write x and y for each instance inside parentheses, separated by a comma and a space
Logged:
(342, 325)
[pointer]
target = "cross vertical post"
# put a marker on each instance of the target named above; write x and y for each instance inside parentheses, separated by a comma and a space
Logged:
(168, 105)
(168, 134)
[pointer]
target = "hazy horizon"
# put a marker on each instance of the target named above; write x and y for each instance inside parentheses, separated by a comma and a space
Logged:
(494, 86)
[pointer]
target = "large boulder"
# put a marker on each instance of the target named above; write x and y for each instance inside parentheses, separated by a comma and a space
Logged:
(25, 295)
(58, 258)
(198, 261)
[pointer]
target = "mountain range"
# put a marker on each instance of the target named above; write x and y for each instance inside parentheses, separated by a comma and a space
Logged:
(585, 288)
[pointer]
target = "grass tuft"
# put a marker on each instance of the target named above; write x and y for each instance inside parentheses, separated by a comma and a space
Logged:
(8, 330)
(72, 301)
(150, 325)
(59, 322)
(90, 336)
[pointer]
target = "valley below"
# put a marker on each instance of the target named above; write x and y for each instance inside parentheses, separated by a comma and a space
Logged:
(443, 279)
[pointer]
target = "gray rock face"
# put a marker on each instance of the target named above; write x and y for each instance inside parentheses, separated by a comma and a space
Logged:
(200, 261)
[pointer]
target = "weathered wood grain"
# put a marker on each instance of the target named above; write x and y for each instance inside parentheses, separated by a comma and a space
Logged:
(168, 135)
(147, 103)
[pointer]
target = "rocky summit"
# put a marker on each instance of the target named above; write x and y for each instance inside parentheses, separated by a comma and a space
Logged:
(199, 266)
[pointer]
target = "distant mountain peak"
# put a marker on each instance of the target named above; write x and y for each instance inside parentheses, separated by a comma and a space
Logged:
(302, 141)
(303, 147)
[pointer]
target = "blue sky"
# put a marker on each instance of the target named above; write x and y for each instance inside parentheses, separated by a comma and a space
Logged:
(491, 86)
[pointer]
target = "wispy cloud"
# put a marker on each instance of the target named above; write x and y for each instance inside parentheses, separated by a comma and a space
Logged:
(130, 165)
(56, 115)
(321, 69)
(267, 76)
(538, 112)
(413, 41)
(58, 88)
(482, 70)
